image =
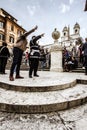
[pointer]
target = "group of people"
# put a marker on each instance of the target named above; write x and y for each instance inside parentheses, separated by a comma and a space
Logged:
(69, 61)
(44, 60)
(34, 56)
(18, 49)
(78, 55)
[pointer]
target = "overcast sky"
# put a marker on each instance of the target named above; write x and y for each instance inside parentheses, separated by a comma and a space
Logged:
(48, 14)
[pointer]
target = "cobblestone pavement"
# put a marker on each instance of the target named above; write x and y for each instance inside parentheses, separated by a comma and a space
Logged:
(73, 119)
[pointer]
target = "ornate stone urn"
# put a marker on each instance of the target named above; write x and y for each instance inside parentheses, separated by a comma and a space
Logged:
(55, 34)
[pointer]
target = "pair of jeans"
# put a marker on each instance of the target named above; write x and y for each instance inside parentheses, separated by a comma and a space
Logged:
(17, 58)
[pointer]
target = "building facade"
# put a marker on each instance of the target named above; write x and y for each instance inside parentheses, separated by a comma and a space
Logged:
(68, 39)
(9, 28)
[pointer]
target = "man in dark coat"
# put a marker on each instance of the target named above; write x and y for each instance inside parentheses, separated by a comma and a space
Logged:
(85, 6)
(34, 55)
(84, 48)
(4, 55)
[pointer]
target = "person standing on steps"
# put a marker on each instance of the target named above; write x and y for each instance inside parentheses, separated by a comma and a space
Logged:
(19, 48)
(34, 55)
(4, 55)
(84, 49)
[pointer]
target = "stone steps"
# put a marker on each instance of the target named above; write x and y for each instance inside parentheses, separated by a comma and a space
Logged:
(79, 70)
(42, 102)
(38, 88)
(52, 91)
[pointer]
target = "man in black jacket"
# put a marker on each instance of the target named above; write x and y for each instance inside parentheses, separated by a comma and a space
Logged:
(84, 48)
(34, 55)
(4, 54)
(85, 6)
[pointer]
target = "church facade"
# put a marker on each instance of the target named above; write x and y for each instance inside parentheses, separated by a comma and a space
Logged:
(68, 39)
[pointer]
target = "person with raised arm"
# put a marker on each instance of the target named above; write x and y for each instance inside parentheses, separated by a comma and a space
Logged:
(18, 49)
(34, 55)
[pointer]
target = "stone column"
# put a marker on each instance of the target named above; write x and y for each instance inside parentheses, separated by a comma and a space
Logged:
(56, 58)
(56, 53)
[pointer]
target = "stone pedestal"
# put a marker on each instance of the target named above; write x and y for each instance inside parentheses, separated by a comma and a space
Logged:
(56, 57)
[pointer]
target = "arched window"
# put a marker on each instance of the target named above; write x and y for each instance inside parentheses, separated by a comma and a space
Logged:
(76, 31)
(64, 34)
